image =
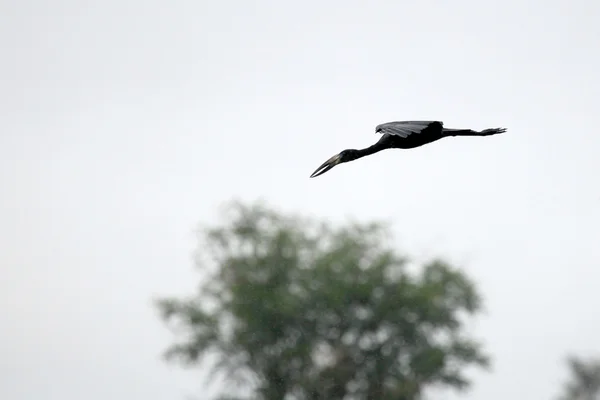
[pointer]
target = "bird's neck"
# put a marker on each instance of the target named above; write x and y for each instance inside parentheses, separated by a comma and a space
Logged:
(368, 150)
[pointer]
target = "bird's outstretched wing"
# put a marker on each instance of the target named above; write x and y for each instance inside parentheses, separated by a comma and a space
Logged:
(404, 129)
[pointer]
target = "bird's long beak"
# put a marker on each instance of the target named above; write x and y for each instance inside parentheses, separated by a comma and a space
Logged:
(326, 166)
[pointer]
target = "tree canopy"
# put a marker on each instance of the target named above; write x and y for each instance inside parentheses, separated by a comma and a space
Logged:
(584, 380)
(294, 308)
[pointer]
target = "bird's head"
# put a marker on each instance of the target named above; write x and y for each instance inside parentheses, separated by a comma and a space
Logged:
(342, 157)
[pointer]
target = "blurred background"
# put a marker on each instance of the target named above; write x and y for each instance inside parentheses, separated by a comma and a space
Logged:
(125, 124)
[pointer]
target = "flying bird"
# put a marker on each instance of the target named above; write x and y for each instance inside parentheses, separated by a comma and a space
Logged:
(402, 135)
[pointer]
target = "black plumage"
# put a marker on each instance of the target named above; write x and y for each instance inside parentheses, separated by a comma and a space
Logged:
(402, 135)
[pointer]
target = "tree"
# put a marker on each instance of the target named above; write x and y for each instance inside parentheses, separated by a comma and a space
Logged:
(295, 309)
(584, 383)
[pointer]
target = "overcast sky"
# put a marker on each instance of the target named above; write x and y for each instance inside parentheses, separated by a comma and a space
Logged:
(124, 124)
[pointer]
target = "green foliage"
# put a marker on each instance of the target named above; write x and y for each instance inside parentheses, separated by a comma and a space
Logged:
(584, 382)
(301, 309)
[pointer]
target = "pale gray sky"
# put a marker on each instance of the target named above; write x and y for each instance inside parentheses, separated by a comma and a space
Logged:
(123, 124)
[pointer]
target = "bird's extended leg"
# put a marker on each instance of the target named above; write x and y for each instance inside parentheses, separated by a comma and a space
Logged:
(470, 132)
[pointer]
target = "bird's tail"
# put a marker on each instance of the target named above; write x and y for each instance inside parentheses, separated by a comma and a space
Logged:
(470, 132)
